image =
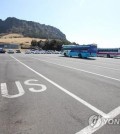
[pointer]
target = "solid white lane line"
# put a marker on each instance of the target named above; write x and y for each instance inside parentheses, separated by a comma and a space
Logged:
(77, 60)
(86, 64)
(108, 77)
(111, 115)
(114, 112)
(64, 90)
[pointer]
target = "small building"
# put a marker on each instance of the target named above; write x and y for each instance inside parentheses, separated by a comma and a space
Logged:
(9, 46)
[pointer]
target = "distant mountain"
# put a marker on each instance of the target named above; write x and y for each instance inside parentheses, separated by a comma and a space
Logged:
(30, 29)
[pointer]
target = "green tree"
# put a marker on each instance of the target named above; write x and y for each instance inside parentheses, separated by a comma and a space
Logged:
(34, 43)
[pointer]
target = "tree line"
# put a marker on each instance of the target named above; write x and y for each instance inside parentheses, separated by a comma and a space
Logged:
(50, 44)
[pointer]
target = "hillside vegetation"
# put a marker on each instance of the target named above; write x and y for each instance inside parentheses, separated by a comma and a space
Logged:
(18, 39)
(31, 34)
(27, 42)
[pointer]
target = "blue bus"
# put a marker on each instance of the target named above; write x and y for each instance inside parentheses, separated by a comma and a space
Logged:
(82, 51)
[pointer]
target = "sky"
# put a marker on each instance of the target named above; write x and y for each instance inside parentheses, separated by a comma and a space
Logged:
(82, 21)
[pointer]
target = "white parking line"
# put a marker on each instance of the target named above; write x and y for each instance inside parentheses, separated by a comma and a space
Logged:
(108, 77)
(78, 60)
(87, 64)
(65, 90)
(89, 130)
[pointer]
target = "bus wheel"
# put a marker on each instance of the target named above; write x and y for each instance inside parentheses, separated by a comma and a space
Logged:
(65, 55)
(79, 55)
(108, 56)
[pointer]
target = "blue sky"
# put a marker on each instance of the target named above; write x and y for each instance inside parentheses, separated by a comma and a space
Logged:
(82, 21)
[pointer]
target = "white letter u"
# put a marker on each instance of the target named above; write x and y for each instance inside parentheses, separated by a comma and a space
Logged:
(4, 90)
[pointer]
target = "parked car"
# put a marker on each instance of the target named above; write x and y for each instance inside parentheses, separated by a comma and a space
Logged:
(57, 52)
(36, 52)
(10, 51)
(2, 50)
(18, 51)
(28, 52)
(42, 52)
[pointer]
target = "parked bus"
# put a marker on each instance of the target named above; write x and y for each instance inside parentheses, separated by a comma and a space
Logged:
(108, 52)
(82, 51)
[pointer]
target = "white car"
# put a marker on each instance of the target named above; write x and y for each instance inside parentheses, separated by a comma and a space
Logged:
(36, 52)
(28, 52)
(10, 51)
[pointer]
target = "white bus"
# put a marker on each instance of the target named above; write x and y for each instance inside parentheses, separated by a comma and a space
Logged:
(108, 52)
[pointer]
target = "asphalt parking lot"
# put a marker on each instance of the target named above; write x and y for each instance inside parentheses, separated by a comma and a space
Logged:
(51, 94)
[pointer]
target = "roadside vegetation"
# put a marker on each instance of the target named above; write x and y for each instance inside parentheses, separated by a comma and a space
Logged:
(37, 43)
(49, 44)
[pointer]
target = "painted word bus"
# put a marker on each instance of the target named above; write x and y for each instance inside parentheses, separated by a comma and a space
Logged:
(108, 52)
(82, 51)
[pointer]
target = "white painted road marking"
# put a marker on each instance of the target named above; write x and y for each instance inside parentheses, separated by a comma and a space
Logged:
(84, 64)
(108, 77)
(43, 87)
(64, 90)
(89, 130)
(4, 90)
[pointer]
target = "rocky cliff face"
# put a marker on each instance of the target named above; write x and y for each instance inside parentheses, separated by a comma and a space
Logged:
(30, 29)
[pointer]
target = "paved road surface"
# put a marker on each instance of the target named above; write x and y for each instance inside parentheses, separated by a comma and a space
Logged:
(50, 94)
